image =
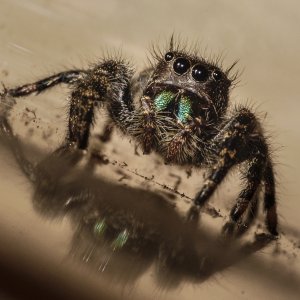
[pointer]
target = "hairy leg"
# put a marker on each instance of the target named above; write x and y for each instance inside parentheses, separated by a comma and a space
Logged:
(253, 179)
(67, 77)
(269, 199)
(240, 140)
(247, 197)
(107, 83)
(251, 215)
(229, 148)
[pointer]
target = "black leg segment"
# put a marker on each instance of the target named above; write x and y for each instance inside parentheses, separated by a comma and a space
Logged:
(269, 200)
(241, 140)
(67, 77)
(107, 83)
(230, 148)
(253, 179)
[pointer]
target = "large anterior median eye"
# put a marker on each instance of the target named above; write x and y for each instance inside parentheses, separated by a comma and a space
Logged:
(181, 65)
(200, 73)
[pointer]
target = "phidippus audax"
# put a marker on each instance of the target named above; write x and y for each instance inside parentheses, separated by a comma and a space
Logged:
(179, 109)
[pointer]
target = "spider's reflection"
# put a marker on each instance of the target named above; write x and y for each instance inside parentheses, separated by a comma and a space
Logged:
(121, 231)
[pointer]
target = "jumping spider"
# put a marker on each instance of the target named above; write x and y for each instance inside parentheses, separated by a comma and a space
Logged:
(179, 109)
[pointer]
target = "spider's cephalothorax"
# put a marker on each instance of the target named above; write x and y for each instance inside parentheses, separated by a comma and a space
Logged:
(181, 113)
(181, 106)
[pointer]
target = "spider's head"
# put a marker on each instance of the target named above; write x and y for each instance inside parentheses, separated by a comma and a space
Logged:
(187, 86)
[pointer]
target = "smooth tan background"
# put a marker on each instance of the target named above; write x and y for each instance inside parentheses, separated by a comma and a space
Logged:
(40, 37)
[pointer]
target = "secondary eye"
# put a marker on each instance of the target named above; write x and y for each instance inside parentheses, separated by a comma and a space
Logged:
(169, 56)
(200, 73)
(181, 65)
(217, 75)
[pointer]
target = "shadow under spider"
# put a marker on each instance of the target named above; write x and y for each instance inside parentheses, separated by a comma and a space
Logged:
(122, 231)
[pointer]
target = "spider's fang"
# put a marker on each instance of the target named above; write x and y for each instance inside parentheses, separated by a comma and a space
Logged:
(185, 109)
(163, 99)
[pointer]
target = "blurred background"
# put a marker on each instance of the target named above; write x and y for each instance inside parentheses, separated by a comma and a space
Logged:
(41, 37)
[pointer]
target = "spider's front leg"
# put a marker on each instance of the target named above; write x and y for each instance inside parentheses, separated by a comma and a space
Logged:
(106, 83)
(241, 140)
(138, 84)
(67, 77)
(8, 95)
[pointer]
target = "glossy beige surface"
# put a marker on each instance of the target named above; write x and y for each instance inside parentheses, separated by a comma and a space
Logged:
(38, 38)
